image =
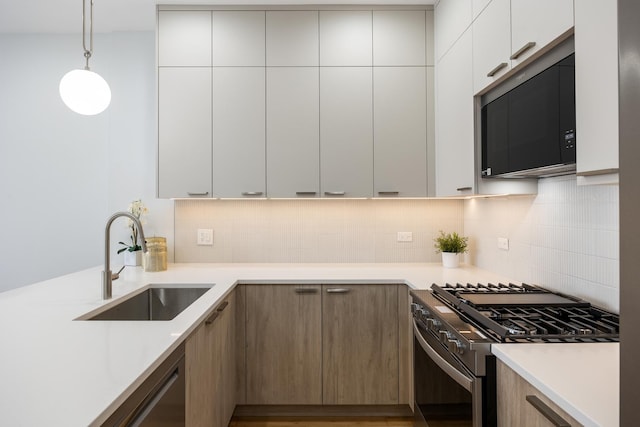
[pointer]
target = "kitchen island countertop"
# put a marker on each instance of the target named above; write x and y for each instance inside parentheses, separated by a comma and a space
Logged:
(57, 371)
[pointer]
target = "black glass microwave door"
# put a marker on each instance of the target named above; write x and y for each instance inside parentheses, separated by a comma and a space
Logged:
(568, 110)
(534, 122)
(495, 137)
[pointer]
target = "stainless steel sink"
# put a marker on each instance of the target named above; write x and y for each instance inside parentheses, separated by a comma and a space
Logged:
(154, 303)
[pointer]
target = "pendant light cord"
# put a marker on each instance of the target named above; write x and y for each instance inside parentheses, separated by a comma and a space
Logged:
(87, 52)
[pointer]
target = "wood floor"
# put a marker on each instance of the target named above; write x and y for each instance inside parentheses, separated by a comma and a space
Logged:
(321, 422)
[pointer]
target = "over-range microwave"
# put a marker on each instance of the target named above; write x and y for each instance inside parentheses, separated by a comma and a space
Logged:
(530, 131)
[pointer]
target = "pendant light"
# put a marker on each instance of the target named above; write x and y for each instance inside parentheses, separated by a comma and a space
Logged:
(84, 91)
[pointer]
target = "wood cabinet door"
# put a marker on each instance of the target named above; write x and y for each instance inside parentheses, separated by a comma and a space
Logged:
(360, 359)
(184, 132)
(283, 345)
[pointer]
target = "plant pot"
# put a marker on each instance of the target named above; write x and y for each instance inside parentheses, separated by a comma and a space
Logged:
(450, 259)
(133, 258)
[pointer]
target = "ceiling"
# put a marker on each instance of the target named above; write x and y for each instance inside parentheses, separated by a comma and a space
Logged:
(65, 16)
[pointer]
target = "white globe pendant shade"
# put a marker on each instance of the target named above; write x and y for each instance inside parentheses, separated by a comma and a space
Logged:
(85, 92)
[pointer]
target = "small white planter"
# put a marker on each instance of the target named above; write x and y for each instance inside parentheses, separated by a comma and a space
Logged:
(450, 260)
(133, 258)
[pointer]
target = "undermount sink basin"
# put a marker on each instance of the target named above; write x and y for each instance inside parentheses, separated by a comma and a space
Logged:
(154, 303)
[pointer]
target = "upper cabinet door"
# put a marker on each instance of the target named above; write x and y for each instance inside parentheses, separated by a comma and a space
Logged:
(293, 152)
(238, 38)
(400, 131)
(239, 131)
(491, 44)
(452, 18)
(292, 38)
(184, 132)
(539, 22)
(399, 37)
(345, 38)
(184, 38)
(346, 131)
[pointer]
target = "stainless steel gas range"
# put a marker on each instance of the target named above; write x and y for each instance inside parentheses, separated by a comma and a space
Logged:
(455, 325)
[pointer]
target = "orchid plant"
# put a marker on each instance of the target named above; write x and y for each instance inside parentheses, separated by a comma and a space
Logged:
(137, 209)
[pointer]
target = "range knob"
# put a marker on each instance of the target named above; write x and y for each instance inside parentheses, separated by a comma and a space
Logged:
(433, 324)
(414, 307)
(444, 335)
(455, 346)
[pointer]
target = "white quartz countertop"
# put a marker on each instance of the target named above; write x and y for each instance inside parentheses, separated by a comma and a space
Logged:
(583, 379)
(57, 371)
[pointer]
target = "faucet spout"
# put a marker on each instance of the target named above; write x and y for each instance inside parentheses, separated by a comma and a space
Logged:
(107, 276)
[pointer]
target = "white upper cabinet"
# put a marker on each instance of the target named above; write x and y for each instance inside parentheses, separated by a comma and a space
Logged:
(346, 38)
(452, 18)
(597, 134)
(184, 132)
(293, 151)
(400, 134)
(239, 38)
(239, 132)
(292, 38)
(455, 161)
(491, 44)
(535, 23)
(399, 38)
(184, 38)
(478, 6)
(346, 131)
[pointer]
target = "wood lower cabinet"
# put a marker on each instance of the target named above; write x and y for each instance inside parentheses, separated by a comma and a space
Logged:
(283, 344)
(326, 345)
(211, 369)
(521, 404)
(360, 344)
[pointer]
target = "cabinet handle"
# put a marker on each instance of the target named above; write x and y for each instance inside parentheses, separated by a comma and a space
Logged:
(548, 413)
(306, 193)
(388, 193)
(306, 290)
(499, 67)
(222, 306)
(252, 193)
(211, 318)
(522, 50)
(334, 193)
(464, 188)
(189, 193)
(338, 290)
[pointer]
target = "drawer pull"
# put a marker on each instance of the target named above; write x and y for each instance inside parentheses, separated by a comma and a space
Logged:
(334, 193)
(548, 413)
(463, 188)
(222, 306)
(388, 193)
(522, 50)
(252, 193)
(499, 67)
(189, 193)
(212, 318)
(338, 290)
(306, 290)
(306, 193)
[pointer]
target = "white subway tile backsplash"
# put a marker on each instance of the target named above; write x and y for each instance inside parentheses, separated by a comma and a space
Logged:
(565, 238)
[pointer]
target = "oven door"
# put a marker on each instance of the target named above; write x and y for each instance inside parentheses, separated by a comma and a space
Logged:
(445, 390)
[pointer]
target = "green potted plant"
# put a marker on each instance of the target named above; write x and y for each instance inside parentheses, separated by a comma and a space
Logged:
(133, 251)
(450, 245)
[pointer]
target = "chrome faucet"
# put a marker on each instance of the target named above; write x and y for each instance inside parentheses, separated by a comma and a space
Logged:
(107, 276)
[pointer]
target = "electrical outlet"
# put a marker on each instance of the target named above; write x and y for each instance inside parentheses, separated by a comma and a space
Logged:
(205, 237)
(503, 243)
(405, 236)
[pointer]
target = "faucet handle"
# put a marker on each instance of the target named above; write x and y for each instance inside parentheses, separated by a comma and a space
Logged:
(114, 276)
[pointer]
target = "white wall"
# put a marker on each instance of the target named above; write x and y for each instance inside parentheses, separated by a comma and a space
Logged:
(565, 238)
(62, 174)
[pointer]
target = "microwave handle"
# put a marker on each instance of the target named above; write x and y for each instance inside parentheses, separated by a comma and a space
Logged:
(457, 376)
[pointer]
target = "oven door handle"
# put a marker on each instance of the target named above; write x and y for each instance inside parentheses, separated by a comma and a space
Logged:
(450, 370)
